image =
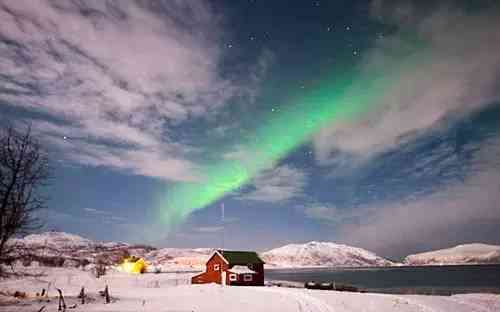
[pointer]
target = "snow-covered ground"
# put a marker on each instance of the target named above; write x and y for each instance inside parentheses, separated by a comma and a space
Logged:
(321, 254)
(169, 292)
(461, 254)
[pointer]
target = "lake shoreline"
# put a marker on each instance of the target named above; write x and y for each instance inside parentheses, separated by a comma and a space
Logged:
(380, 267)
(427, 280)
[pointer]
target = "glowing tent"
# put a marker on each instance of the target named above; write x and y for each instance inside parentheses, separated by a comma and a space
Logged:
(132, 265)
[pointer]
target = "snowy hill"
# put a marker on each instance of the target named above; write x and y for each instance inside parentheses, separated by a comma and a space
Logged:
(179, 258)
(64, 249)
(461, 254)
(59, 240)
(321, 254)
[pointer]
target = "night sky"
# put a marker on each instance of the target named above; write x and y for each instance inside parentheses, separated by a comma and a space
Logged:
(370, 123)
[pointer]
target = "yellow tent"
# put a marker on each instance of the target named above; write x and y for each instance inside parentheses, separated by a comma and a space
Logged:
(136, 267)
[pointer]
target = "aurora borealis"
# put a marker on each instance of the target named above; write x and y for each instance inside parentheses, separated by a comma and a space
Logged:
(372, 123)
(342, 96)
(332, 102)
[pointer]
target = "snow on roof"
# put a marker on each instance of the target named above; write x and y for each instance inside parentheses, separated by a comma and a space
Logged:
(241, 269)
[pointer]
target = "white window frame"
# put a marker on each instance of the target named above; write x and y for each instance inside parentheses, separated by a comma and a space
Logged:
(216, 267)
(248, 277)
(233, 277)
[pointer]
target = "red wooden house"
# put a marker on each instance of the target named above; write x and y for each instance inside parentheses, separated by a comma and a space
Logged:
(232, 268)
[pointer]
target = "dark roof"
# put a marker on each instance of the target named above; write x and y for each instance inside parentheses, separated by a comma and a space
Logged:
(241, 257)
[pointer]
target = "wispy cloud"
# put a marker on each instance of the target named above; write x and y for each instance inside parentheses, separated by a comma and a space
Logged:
(109, 79)
(95, 211)
(277, 185)
(334, 216)
(105, 216)
(209, 229)
(437, 220)
(448, 68)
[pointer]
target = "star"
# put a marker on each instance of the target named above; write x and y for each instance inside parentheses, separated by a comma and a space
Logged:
(329, 28)
(229, 45)
(355, 52)
(348, 28)
(65, 137)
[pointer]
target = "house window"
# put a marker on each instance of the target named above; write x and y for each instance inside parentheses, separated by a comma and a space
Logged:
(216, 267)
(247, 277)
(232, 277)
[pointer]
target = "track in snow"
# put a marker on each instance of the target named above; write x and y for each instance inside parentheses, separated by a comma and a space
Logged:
(306, 303)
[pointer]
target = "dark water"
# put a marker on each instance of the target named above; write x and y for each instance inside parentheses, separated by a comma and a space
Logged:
(422, 280)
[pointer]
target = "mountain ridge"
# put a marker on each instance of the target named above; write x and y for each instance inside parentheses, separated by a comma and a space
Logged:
(474, 253)
(73, 250)
(322, 254)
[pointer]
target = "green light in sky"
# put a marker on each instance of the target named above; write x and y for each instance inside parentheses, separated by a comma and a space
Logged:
(285, 130)
(344, 96)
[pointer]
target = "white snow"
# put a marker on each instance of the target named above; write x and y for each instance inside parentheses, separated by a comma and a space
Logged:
(241, 269)
(174, 259)
(321, 254)
(461, 254)
(60, 240)
(169, 292)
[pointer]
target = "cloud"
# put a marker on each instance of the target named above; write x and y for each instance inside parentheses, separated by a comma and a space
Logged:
(106, 81)
(464, 211)
(105, 216)
(444, 62)
(95, 211)
(277, 185)
(335, 216)
(209, 229)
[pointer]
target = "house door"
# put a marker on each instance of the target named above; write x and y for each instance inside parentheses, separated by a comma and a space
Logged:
(223, 278)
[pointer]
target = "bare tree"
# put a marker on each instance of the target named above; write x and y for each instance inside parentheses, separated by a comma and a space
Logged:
(24, 172)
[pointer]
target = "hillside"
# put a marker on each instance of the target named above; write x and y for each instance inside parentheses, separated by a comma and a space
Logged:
(168, 259)
(321, 254)
(64, 249)
(461, 254)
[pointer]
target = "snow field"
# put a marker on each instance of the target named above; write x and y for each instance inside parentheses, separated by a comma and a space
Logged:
(167, 293)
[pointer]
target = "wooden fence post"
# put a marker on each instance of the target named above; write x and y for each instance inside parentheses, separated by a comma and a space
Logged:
(106, 294)
(61, 300)
(82, 295)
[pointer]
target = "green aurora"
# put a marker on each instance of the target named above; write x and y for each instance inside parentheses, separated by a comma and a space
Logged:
(337, 99)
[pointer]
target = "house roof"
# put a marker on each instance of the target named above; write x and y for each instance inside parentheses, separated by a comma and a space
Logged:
(240, 257)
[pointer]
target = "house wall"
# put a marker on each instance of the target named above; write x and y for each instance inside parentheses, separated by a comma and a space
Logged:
(210, 275)
(258, 278)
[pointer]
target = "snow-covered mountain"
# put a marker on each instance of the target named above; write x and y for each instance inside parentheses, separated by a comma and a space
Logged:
(321, 254)
(461, 254)
(59, 248)
(54, 240)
